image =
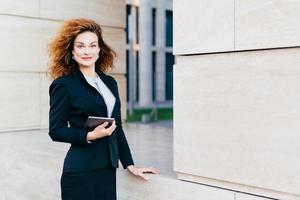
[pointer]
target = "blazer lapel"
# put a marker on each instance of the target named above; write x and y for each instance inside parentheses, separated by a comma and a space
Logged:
(109, 84)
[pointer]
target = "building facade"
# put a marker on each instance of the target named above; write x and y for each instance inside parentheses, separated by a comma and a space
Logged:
(239, 62)
(149, 52)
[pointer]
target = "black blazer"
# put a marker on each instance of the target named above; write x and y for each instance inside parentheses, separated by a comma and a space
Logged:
(72, 100)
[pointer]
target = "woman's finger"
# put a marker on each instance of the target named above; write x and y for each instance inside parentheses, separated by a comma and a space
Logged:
(112, 128)
(156, 171)
(103, 125)
(151, 170)
(146, 178)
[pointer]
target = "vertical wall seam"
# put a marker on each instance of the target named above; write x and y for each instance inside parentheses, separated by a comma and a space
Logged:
(234, 46)
(39, 8)
(40, 99)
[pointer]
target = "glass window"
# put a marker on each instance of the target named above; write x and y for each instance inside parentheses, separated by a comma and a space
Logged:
(153, 76)
(128, 12)
(153, 26)
(137, 76)
(169, 28)
(127, 75)
(169, 76)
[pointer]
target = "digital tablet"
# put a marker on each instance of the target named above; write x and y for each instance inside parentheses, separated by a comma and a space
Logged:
(92, 122)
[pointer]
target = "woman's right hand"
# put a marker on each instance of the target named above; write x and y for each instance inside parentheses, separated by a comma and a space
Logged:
(100, 131)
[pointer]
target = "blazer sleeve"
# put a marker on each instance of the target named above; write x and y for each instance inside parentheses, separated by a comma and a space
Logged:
(123, 147)
(59, 115)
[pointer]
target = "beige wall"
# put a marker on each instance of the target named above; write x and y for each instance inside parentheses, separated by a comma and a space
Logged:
(26, 27)
(236, 113)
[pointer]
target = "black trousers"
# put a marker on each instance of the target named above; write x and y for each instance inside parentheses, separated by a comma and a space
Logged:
(92, 185)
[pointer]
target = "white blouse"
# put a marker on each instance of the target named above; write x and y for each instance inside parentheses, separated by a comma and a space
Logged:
(104, 91)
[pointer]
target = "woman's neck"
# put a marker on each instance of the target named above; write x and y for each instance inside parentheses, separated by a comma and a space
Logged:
(88, 71)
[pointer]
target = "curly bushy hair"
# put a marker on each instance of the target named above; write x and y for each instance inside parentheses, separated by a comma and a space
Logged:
(61, 46)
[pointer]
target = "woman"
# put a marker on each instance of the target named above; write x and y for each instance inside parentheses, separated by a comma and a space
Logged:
(79, 59)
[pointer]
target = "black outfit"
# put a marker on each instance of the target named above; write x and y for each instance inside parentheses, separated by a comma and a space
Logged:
(91, 185)
(72, 100)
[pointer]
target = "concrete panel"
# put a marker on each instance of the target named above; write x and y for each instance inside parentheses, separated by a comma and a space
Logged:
(163, 188)
(110, 13)
(252, 191)
(19, 7)
(44, 91)
(240, 196)
(25, 42)
(267, 24)
(240, 112)
(20, 101)
(208, 26)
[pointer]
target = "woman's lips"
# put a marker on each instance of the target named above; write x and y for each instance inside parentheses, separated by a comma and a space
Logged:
(87, 58)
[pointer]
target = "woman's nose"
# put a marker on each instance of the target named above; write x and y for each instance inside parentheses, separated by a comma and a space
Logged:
(87, 50)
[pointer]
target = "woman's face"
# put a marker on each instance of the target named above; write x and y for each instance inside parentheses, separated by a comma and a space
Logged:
(86, 49)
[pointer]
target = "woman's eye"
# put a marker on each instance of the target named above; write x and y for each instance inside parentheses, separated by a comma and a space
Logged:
(93, 45)
(80, 46)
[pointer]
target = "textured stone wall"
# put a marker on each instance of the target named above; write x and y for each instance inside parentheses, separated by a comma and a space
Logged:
(237, 94)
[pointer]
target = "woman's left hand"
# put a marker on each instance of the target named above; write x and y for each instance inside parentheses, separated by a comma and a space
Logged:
(139, 171)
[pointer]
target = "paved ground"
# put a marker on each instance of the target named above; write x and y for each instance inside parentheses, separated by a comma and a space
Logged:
(30, 163)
